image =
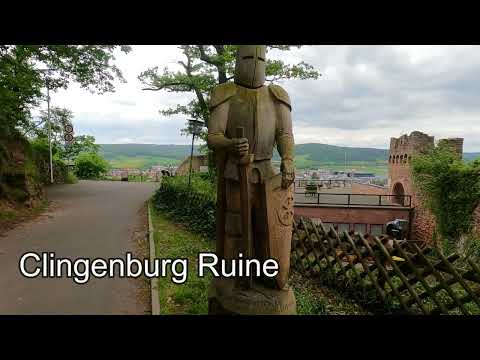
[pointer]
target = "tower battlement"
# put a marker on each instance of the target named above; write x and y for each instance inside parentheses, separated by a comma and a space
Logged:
(403, 147)
(455, 143)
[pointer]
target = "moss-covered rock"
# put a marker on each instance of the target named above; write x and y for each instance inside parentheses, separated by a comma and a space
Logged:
(20, 180)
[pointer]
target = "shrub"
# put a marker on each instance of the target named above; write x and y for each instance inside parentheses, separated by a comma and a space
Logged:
(71, 178)
(41, 154)
(451, 188)
(195, 206)
(90, 166)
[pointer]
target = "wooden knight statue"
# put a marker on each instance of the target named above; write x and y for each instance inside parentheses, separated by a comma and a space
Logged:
(255, 202)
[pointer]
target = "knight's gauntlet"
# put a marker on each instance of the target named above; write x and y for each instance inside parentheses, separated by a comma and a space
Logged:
(218, 141)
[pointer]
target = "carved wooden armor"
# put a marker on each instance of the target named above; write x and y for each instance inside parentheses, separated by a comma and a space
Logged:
(264, 112)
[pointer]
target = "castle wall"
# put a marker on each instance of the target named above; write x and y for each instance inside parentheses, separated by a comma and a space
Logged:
(401, 151)
(351, 218)
(455, 143)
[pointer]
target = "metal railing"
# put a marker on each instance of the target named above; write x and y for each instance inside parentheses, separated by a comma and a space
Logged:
(329, 182)
(135, 177)
(320, 198)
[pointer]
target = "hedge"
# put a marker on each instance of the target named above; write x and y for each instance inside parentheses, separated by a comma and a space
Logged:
(194, 207)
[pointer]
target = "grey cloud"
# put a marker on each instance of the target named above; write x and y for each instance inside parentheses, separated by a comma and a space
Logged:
(119, 129)
(366, 95)
(390, 90)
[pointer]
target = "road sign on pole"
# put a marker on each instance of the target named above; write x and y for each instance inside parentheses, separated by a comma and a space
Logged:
(68, 134)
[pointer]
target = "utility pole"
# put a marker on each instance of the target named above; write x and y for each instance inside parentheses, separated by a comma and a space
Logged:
(49, 132)
(48, 71)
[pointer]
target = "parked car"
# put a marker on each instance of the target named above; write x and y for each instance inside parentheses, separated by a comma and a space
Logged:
(398, 229)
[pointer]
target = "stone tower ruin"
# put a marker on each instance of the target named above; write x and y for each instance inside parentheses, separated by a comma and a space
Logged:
(401, 151)
(400, 181)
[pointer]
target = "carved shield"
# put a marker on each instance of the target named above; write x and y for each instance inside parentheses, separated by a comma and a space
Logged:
(279, 205)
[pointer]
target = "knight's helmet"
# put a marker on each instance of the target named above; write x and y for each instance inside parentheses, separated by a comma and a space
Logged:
(250, 66)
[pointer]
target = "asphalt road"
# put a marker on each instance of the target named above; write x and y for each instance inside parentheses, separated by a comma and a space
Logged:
(90, 219)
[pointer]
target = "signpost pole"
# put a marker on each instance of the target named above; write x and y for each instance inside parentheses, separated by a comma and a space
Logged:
(191, 160)
(49, 132)
(195, 128)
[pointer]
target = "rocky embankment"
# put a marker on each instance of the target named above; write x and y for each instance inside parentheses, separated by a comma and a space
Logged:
(20, 179)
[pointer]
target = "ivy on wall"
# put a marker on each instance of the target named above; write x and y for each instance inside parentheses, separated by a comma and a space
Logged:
(450, 188)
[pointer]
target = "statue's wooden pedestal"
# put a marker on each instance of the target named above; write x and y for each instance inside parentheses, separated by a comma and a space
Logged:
(224, 299)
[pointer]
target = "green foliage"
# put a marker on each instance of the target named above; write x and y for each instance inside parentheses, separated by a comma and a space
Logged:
(336, 154)
(7, 215)
(59, 117)
(60, 171)
(71, 178)
(308, 303)
(194, 206)
(41, 154)
(143, 156)
(451, 188)
(142, 162)
(172, 241)
(177, 152)
(90, 166)
(80, 144)
(40, 147)
(22, 81)
(22, 85)
(206, 66)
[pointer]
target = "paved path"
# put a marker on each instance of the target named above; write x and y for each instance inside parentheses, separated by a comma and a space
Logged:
(90, 219)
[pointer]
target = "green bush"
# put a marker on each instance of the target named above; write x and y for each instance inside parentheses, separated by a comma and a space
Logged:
(195, 206)
(451, 188)
(71, 178)
(41, 153)
(90, 166)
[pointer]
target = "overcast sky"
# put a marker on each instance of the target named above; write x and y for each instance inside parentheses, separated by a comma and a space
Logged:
(366, 95)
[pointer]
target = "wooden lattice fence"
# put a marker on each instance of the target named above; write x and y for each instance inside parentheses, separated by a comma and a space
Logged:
(387, 274)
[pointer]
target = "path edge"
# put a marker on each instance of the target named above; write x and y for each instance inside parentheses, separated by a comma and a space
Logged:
(154, 280)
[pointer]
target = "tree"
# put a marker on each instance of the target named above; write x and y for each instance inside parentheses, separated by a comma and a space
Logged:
(59, 117)
(22, 81)
(451, 190)
(206, 66)
(80, 144)
(90, 166)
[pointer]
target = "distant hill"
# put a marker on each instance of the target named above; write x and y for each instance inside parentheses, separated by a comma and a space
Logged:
(336, 154)
(143, 156)
(471, 156)
(178, 152)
